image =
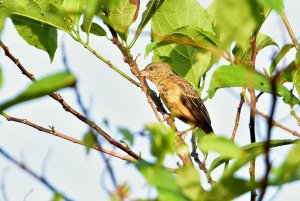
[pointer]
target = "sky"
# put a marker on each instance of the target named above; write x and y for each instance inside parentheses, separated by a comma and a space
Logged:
(109, 97)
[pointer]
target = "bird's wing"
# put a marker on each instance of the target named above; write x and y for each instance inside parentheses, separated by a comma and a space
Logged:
(193, 103)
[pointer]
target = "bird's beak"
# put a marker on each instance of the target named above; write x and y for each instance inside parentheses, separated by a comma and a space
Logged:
(144, 73)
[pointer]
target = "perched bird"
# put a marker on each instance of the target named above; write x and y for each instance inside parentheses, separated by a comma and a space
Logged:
(178, 95)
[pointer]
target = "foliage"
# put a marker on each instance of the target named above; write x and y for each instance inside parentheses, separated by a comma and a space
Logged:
(192, 39)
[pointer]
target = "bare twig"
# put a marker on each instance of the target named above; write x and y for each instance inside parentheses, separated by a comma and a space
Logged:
(237, 117)
(181, 147)
(252, 112)
(33, 174)
(201, 165)
(2, 183)
(295, 115)
(52, 131)
(293, 132)
(265, 180)
(289, 29)
(85, 112)
(68, 108)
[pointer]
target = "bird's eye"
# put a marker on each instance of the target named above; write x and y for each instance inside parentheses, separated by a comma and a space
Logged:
(151, 68)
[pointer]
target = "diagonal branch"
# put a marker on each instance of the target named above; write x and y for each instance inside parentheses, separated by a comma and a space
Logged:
(68, 108)
(52, 131)
(34, 175)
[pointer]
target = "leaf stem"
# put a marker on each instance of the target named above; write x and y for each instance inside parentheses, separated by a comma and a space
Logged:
(88, 47)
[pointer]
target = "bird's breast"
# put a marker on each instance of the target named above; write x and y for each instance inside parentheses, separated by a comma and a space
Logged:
(170, 93)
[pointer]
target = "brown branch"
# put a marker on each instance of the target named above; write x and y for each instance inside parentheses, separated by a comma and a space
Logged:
(289, 29)
(293, 132)
(237, 117)
(295, 115)
(267, 144)
(86, 113)
(252, 111)
(34, 175)
(52, 131)
(201, 165)
(68, 108)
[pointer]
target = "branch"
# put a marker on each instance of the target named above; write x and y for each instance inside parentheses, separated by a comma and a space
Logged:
(85, 112)
(267, 144)
(274, 123)
(289, 29)
(68, 108)
(2, 185)
(201, 165)
(252, 113)
(52, 131)
(34, 175)
(237, 117)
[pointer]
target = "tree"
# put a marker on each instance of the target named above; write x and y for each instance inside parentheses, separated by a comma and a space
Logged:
(221, 43)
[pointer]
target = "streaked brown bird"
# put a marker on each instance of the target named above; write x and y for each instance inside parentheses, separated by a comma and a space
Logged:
(179, 96)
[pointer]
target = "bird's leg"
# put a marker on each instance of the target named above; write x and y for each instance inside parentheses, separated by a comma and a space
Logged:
(170, 119)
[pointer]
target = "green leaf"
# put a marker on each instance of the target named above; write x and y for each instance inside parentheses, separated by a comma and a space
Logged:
(287, 74)
(94, 28)
(3, 15)
(219, 144)
(37, 34)
(283, 51)
(58, 197)
(188, 180)
(73, 10)
(152, 7)
(89, 140)
(289, 170)
(177, 16)
(127, 135)
(243, 55)
(45, 11)
(228, 188)
(250, 152)
(238, 76)
(97, 30)
(296, 80)
(1, 77)
(163, 180)
(162, 140)
(91, 9)
(122, 14)
(236, 20)
(41, 88)
(273, 4)
(296, 74)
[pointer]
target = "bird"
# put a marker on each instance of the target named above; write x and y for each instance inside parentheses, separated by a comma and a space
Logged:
(179, 96)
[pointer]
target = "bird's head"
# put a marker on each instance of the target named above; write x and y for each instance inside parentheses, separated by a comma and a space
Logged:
(157, 70)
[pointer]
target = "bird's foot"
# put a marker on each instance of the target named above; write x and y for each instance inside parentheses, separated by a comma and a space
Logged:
(185, 132)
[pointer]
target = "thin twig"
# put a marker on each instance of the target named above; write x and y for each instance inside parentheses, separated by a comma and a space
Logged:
(201, 165)
(274, 123)
(34, 175)
(68, 108)
(52, 131)
(237, 117)
(86, 113)
(3, 187)
(289, 29)
(252, 111)
(295, 115)
(265, 180)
